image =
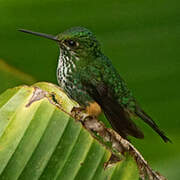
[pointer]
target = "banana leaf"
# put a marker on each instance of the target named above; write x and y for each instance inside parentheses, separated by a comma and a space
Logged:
(40, 140)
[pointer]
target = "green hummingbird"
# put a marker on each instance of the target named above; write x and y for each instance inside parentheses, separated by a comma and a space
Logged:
(89, 78)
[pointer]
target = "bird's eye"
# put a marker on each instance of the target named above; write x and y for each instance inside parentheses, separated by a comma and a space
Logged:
(71, 43)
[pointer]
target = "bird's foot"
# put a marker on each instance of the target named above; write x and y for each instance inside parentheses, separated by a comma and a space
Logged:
(79, 113)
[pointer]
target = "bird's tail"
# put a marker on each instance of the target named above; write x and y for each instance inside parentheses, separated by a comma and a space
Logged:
(147, 119)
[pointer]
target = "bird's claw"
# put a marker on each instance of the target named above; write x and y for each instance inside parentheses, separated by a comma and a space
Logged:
(79, 113)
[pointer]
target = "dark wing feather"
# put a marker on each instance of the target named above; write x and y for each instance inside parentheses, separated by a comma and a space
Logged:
(118, 117)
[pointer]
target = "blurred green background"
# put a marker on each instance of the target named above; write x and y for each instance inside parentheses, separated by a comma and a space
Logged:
(140, 37)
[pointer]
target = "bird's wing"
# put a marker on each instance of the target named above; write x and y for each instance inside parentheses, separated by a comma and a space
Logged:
(117, 111)
(117, 115)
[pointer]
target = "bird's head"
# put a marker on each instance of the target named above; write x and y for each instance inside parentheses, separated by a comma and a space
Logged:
(79, 41)
(76, 41)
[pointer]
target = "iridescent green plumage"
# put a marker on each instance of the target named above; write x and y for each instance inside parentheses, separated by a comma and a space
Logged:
(89, 64)
(87, 75)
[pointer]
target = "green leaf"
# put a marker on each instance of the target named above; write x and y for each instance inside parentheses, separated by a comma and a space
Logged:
(40, 140)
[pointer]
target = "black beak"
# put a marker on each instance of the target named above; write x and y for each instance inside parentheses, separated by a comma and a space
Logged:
(48, 36)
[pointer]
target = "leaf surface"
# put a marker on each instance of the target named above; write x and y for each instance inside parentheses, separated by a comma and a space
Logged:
(38, 140)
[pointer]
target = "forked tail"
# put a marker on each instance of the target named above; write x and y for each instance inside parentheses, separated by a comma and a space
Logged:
(147, 119)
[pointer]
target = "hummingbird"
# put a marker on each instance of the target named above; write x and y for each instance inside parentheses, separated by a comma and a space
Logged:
(89, 78)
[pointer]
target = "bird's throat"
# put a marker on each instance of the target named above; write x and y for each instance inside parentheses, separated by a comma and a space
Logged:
(65, 68)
